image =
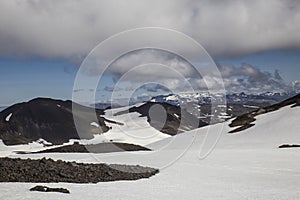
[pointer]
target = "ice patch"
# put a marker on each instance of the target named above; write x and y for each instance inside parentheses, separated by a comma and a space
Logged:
(8, 117)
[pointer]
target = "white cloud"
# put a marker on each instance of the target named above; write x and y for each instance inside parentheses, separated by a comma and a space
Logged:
(150, 65)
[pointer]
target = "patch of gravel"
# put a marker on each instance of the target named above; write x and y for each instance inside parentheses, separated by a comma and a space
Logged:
(47, 170)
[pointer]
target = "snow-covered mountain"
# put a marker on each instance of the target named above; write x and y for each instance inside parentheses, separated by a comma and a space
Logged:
(207, 98)
(199, 104)
(244, 165)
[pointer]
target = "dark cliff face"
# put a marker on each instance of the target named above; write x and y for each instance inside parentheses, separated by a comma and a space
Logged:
(51, 120)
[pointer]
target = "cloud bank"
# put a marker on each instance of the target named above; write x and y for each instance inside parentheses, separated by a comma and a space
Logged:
(178, 75)
(69, 29)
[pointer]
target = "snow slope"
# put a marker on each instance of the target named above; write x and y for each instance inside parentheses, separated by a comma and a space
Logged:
(246, 165)
(135, 129)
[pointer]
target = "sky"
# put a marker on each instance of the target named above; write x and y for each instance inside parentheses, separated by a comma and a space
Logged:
(43, 44)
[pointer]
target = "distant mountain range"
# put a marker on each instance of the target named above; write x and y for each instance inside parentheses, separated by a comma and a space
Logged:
(184, 99)
(199, 104)
(237, 98)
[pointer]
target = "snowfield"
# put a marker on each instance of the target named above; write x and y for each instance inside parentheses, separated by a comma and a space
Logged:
(246, 165)
(136, 129)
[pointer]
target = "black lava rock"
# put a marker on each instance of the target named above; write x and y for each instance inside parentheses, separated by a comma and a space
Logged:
(48, 189)
(47, 170)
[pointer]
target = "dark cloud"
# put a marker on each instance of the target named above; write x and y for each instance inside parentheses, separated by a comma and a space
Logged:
(70, 29)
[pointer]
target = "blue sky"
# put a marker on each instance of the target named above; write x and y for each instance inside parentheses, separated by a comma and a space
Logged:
(24, 79)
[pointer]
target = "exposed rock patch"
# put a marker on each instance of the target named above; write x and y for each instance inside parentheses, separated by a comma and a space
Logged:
(289, 146)
(243, 120)
(48, 189)
(47, 170)
(244, 127)
(94, 148)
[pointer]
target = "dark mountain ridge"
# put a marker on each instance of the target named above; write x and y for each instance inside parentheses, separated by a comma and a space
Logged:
(49, 119)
